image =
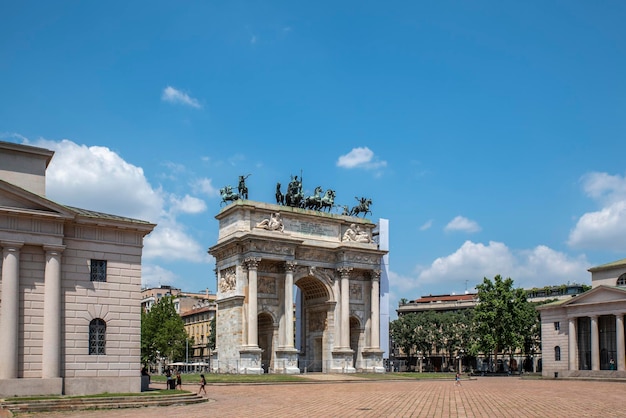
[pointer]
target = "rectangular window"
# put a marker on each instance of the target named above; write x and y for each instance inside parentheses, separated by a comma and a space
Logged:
(557, 326)
(98, 270)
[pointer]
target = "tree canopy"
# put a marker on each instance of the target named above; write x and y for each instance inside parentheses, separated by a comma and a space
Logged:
(503, 317)
(162, 333)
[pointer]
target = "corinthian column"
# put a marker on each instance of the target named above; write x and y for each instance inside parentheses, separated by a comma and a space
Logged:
(288, 331)
(375, 311)
(9, 313)
(252, 264)
(345, 306)
(51, 357)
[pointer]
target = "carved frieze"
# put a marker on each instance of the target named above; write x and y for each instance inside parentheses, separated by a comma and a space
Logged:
(266, 285)
(270, 247)
(228, 280)
(311, 254)
(317, 321)
(356, 291)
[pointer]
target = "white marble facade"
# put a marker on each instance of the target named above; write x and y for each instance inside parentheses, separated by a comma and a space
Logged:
(297, 291)
(585, 336)
(70, 288)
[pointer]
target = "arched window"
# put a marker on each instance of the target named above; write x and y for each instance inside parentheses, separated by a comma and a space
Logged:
(557, 353)
(621, 281)
(97, 336)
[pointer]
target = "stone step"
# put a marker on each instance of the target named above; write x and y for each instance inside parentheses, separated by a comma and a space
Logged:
(112, 402)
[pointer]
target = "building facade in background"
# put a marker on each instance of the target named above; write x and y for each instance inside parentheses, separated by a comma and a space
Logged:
(584, 336)
(70, 288)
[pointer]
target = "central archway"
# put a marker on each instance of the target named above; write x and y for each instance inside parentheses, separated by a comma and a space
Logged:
(311, 328)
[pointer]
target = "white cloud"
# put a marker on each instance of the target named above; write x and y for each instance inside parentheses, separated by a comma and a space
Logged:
(361, 157)
(188, 204)
(461, 223)
(205, 186)
(97, 178)
(604, 229)
(155, 276)
(426, 225)
(539, 266)
(172, 95)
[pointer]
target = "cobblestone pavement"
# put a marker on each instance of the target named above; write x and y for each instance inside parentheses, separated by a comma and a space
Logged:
(482, 397)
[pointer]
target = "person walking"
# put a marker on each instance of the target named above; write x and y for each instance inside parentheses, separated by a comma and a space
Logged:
(202, 384)
(179, 380)
(457, 380)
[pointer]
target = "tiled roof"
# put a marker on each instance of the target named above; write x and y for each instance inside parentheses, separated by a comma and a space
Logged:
(608, 266)
(100, 215)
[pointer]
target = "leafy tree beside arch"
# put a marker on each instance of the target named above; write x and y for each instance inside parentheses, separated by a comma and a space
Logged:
(162, 333)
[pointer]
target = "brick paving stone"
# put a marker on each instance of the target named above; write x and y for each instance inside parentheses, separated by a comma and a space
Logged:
(482, 397)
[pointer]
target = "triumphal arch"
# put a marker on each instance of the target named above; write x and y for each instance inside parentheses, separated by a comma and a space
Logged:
(298, 290)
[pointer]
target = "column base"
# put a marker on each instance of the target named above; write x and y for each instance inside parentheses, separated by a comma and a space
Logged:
(250, 360)
(286, 361)
(343, 361)
(372, 360)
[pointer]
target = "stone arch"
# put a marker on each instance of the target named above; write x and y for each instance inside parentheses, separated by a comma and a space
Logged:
(312, 319)
(267, 328)
(356, 338)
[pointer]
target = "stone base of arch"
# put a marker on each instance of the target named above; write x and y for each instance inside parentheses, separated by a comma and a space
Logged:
(342, 361)
(250, 360)
(286, 361)
(372, 361)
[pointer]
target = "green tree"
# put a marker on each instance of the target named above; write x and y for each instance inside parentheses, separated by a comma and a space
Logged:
(504, 319)
(162, 333)
(212, 334)
(403, 332)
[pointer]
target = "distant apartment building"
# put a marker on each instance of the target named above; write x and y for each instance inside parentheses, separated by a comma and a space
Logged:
(196, 310)
(70, 288)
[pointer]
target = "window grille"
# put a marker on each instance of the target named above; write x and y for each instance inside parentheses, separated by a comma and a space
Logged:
(621, 281)
(98, 270)
(97, 337)
(557, 353)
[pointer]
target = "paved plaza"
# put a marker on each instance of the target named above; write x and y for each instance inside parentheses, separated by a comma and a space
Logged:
(481, 397)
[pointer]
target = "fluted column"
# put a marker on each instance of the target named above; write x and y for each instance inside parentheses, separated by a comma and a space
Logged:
(51, 357)
(573, 345)
(595, 344)
(375, 311)
(288, 330)
(345, 306)
(621, 344)
(252, 264)
(9, 313)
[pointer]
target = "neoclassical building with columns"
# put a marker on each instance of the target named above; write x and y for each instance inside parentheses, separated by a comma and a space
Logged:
(298, 290)
(584, 336)
(70, 288)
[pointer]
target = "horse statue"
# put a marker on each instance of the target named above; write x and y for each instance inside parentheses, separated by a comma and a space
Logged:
(228, 195)
(314, 202)
(328, 200)
(294, 196)
(280, 198)
(242, 188)
(363, 207)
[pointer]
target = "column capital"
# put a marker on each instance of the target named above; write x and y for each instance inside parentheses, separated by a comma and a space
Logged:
(290, 265)
(375, 274)
(345, 272)
(11, 245)
(54, 248)
(252, 263)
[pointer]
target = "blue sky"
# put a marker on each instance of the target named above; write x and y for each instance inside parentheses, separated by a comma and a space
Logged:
(491, 134)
